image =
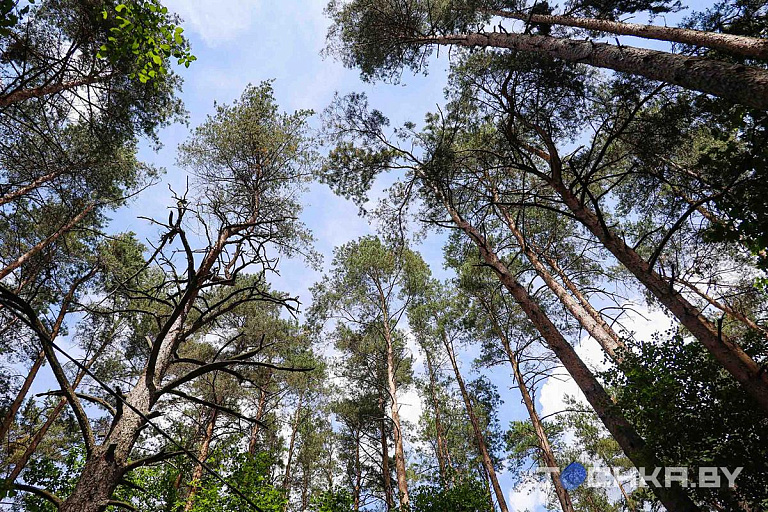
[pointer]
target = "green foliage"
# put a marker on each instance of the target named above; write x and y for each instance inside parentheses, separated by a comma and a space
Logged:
(465, 496)
(332, 501)
(694, 414)
(144, 32)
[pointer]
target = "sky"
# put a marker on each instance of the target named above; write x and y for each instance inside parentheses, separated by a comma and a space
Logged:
(238, 42)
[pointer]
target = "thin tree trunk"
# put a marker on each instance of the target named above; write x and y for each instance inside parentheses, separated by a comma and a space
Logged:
(260, 408)
(598, 329)
(753, 47)
(202, 455)
(730, 355)
(292, 443)
(358, 474)
(441, 448)
(478, 431)
(21, 395)
(58, 408)
(673, 498)
(44, 243)
(738, 83)
(547, 454)
(39, 92)
(385, 473)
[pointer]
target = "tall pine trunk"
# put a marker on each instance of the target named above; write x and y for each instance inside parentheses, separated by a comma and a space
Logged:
(596, 327)
(634, 447)
(385, 473)
(441, 448)
(202, 455)
(477, 430)
(21, 395)
(753, 47)
(738, 83)
(547, 454)
(292, 444)
(730, 355)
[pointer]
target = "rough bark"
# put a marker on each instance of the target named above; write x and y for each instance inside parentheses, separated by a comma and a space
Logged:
(547, 454)
(260, 409)
(46, 90)
(741, 84)
(752, 47)
(634, 447)
(476, 428)
(596, 327)
(202, 455)
(730, 355)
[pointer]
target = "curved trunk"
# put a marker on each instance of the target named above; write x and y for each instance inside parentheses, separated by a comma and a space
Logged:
(752, 47)
(738, 83)
(634, 447)
(402, 483)
(478, 431)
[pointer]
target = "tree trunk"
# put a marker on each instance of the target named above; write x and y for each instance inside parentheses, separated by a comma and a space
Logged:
(673, 498)
(738, 83)
(441, 448)
(358, 474)
(753, 47)
(547, 454)
(731, 356)
(202, 455)
(21, 395)
(260, 408)
(478, 431)
(603, 334)
(402, 484)
(292, 443)
(385, 473)
(104, 468)
(45, 243)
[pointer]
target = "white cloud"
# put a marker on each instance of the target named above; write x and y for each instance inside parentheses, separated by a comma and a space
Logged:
(216, 22)
(528, 497)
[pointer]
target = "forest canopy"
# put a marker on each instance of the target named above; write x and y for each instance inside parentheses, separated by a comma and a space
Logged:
(480, 340)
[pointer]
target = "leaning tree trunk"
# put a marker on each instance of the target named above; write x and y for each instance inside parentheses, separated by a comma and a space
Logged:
(21, 395)
(738, 83)
(634, 447)
(106, 465)
(477, 430)
(596, 328)
(729, 354)
(260, 410)
(202, 455)
(547, 454)
(752, 47)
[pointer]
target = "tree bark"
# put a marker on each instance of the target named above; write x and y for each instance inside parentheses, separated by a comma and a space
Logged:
(547, 454)
(21, 395)
(598, 329)
(202, 455)
(478, 431)
(752, 47)
(730, 355)
(634, 447)
(260, 408)
(386, 476)
(738, 83)
(402, 483)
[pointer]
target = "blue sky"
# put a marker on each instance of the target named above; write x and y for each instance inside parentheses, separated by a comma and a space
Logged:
(238, 42)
